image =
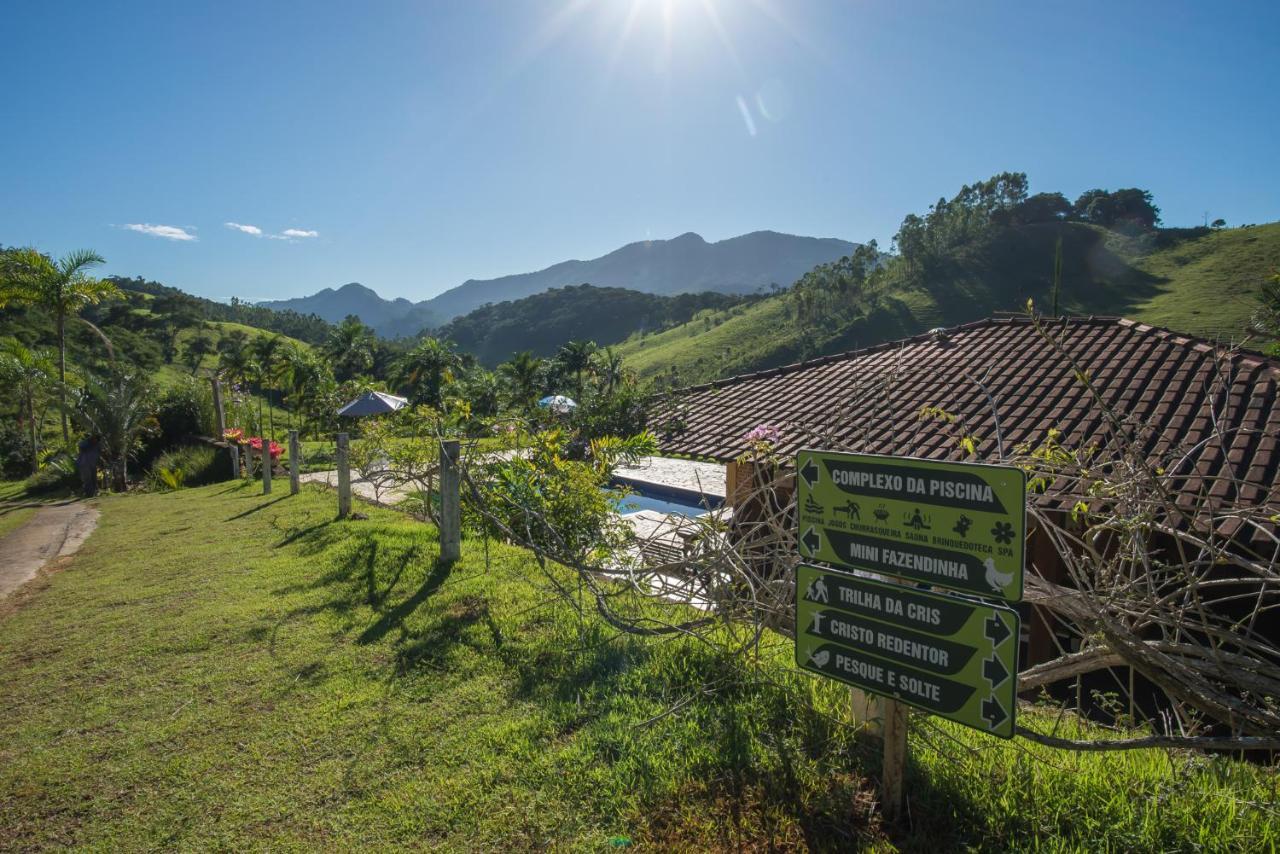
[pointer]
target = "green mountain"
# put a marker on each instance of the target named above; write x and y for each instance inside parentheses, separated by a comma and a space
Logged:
(543, 322)
(1199, 281)
(747, 264)
(152, 327)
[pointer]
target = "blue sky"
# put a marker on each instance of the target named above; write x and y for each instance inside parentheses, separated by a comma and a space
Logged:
(411, 146)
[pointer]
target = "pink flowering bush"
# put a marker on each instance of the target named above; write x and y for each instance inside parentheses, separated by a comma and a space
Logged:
(763, 433)
(761, 439)
(275, 449)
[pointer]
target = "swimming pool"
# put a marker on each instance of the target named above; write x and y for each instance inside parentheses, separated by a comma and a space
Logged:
(645, 496)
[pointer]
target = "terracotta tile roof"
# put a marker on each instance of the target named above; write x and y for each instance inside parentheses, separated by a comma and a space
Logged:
(1171, 389)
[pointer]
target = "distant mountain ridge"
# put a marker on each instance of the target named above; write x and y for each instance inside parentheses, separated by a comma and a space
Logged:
(333, 304)
(749, 263)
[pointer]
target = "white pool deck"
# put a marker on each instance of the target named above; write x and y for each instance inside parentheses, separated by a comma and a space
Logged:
(689, 475)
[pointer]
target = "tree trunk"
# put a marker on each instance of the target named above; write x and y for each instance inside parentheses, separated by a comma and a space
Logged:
(31, 421)
(119, 474)
(62, 374)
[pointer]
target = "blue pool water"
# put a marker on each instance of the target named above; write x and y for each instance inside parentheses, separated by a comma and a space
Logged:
(685, 505)
(635, 502)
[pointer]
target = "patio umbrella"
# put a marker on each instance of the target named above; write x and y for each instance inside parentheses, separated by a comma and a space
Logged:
(373, 403)
(558, 403)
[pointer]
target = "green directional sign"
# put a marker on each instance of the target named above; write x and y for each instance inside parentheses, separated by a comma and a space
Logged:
(954, 657)
(960, 526)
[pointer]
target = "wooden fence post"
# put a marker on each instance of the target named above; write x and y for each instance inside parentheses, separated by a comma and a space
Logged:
(450, 503)
(344, 478)
(295, 451)
(866, 709)
(221, 418)
(264, 457)
(894, 772)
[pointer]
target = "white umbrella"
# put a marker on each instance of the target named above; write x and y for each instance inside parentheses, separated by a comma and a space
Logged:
(558, 403)
(373, 403)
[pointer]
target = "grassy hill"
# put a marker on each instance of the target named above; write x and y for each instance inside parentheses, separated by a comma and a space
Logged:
(218, 669)
(1196, 281)
(544, 322)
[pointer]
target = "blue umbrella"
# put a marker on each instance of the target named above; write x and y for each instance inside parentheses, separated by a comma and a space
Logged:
(373, 403)
(558, 403)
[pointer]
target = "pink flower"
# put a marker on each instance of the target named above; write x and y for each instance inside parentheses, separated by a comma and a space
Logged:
(764, 433)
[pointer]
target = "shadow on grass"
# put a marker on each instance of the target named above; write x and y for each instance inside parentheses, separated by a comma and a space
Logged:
(395, 617)
(263, 506)
(748, 747)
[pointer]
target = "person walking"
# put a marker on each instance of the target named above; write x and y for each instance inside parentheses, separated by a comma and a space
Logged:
(87, 464)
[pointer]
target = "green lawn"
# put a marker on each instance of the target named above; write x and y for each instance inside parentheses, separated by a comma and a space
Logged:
(217, 669)
(13, 517)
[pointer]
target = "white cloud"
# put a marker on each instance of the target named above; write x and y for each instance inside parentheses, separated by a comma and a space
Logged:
(168, 232)
(247, 229)
(298, 232)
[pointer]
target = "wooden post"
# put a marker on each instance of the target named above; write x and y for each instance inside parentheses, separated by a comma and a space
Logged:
(450, 503)
(866, 709)
(295, 452)
(344, 478)
(894, 772)
(264, 456)
(221, 419)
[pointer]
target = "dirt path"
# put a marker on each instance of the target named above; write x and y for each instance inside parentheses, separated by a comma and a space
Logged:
(54, 531)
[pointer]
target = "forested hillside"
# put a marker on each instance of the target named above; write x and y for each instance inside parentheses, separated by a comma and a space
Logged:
(542, 323)
(990, 248)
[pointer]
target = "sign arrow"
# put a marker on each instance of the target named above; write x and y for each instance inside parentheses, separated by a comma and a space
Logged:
(812, 542)
(992, 712)
(810, 473)
(993, 671)
(997, 632)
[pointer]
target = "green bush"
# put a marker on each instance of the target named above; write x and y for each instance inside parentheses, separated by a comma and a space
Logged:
(58, 473)
(191, 465)
(186, 409)
(15, 451)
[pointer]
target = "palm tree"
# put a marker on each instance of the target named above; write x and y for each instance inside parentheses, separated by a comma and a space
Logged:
(609, 369)
(267, 350)
(62, 288)
(300, 371)
(30, 373)
(575, 356)
(350, 347)
(521, 374)
(236, 364)
(196, 349)
(425, 370)
(116, 407)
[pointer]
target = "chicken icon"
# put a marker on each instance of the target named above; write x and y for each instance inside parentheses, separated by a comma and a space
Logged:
(820, 658)
(996, 579)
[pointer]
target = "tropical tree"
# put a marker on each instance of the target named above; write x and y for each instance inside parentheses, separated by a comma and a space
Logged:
(608, 367)
(267, 350)
(575, 357)
(31, 374)
(196, 348)
(523, 375)
(63, 288)
(237, 366)
(350, 348)
(118, 408)
(305, 376)
(424, 372)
